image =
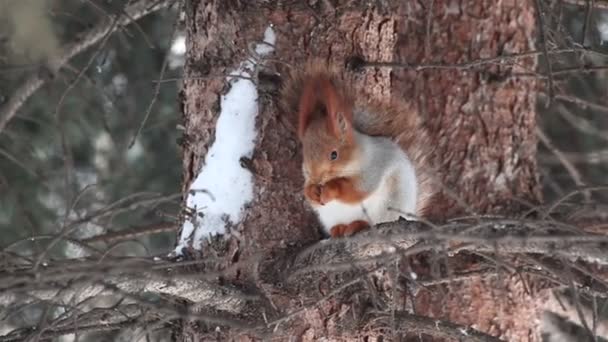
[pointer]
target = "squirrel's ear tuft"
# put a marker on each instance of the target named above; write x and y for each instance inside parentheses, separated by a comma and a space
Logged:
(339, 111)
(307, 104)
(316, 92)
(343, 126)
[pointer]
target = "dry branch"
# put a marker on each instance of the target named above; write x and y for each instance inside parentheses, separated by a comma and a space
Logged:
(508, 59)
(132, 233)
(600, 4)
(295, 274)
(415, 324)
(501, 236)
(97, 319)
(77, 281)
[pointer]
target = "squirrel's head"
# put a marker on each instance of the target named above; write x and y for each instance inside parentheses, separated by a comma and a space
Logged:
(326, 132)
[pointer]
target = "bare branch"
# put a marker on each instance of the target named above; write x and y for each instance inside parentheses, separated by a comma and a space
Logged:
(574, 173)
(506, 59)
(129, 234)
(158, 84)
(602, 4)
(95, 283)
(543, 43)
(415, 324)
(116, 317)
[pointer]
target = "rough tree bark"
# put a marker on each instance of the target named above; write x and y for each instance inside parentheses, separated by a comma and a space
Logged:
(483, 121)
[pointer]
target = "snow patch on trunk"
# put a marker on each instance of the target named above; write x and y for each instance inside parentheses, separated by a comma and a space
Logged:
(602, 26)
(223, 187)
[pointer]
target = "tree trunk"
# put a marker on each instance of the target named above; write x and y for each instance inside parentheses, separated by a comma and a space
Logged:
(483, 124)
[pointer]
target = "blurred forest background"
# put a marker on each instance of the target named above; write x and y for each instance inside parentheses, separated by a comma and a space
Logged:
(74, 149)
(95, 150)
(573, 141)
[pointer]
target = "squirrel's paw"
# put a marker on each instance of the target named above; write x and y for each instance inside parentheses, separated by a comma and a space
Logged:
(313, 193)
(340, 230)
(331, 190)
(322, 194)
(355, 227)
(343, 189)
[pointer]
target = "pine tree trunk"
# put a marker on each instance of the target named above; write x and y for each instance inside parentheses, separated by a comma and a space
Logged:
(483, 124)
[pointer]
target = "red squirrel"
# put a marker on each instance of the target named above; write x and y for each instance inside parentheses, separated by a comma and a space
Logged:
(365, 161)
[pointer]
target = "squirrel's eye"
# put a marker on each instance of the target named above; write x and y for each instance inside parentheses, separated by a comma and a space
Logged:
(333, 155)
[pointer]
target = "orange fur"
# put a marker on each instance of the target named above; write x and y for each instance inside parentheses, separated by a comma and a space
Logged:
(313, 193)
(319, 90)
(325, 121)
(343, 189)
(328, 108)
(340, 230)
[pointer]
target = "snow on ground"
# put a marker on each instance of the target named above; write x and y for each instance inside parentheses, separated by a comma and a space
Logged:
(223, 187)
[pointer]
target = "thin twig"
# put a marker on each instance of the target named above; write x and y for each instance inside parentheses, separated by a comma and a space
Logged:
(86, 67)
(602, 4)
(588, 13)
(584, 104)
(572, 171)
(477, 62)
(158, 84)
(132, 233)
(543, 44)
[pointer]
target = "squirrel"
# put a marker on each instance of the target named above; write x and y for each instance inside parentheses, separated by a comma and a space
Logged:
(365, 161)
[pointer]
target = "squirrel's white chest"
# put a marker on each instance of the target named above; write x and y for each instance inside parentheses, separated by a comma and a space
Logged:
(395, 197)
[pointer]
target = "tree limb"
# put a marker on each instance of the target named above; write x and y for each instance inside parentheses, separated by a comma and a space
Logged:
(62, 285)
(415, 324)
(599, 4)
(285, 273)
